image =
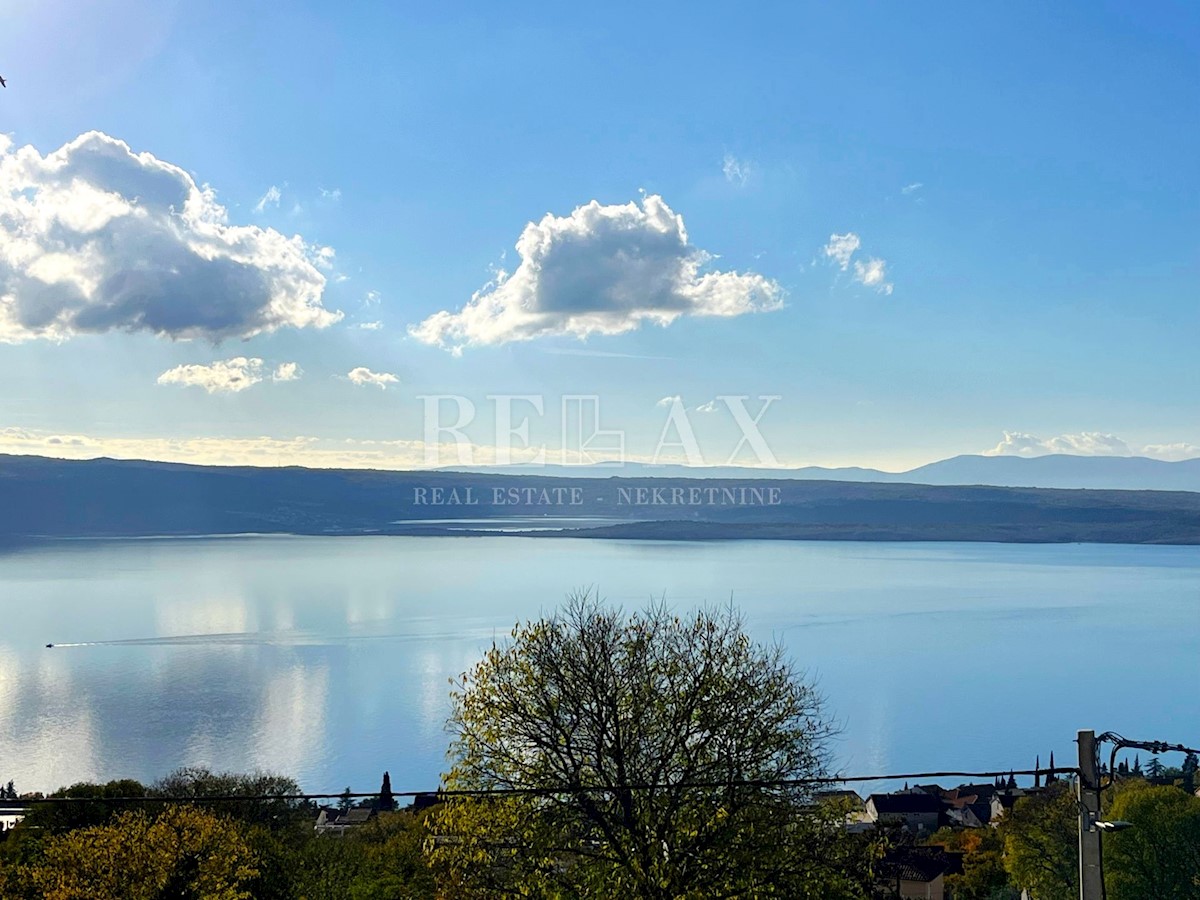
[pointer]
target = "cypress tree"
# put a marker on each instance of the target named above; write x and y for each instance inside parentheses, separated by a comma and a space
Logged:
(386, 800)
(1190, 764)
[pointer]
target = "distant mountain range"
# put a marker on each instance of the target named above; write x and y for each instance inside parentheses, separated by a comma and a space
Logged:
(56, 498)
(1118, 473)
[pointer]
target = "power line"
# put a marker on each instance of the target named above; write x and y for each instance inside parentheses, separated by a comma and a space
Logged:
(565, 789)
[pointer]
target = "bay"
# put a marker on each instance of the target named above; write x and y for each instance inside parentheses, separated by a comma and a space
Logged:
(329, 659)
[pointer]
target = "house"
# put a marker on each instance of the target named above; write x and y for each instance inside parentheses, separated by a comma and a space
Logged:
(916, 873)
(11, 814)
(966, 794)
(1003, 801)
(916, 810)
(334, 821)
(969, 815)
(968, 805)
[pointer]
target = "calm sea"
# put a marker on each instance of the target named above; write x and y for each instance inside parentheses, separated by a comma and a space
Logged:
(329, 659)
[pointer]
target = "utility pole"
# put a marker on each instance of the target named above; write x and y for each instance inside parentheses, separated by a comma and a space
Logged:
(1091, 880)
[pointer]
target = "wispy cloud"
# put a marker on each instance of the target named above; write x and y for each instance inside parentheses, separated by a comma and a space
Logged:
(710, 406)
(736, 171)
(841, 247)
(669, 401)
(871, 273)
(602, 354)
(370, 326)
(270, 198)
(909, 189)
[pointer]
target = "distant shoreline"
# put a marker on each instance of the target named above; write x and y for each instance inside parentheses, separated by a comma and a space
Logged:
(652, 531)
(52, 498)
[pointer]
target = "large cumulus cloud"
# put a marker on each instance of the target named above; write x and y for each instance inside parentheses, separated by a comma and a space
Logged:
(95, 237)
(600, 270)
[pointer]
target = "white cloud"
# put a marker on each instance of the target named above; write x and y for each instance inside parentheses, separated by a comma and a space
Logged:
(841, 247)
(910, 189)
(333, 196)
(228, 376)
(323, 257)
(873, 274)
(288, 371)
(370, 326)
(710, 406)
(669, 401)
(600, 270)
(316, 452)
(372, 298)
(736, 171)
(96, 238)
(362, 375)
(1172, 452)
(270, 198)
(222, 451)
(1087, 443)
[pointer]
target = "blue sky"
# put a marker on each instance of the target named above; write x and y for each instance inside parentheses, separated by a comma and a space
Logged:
(1021, 181)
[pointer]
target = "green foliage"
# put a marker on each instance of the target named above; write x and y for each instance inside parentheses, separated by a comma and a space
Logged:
(382, 860)
(1160, 856)
(56, 818)
(269, 848)
(202, 783)
(984, 876)
(592, 703)
(182, 853)
(1188, 772)
(1041, 844)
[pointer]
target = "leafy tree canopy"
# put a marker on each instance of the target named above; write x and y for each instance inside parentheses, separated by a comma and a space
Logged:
(637, 733)
(1160, 856)
(1041, 844)
(202, 783)
(183, 853)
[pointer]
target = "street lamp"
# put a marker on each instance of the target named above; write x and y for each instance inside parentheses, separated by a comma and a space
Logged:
(1106, 827)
